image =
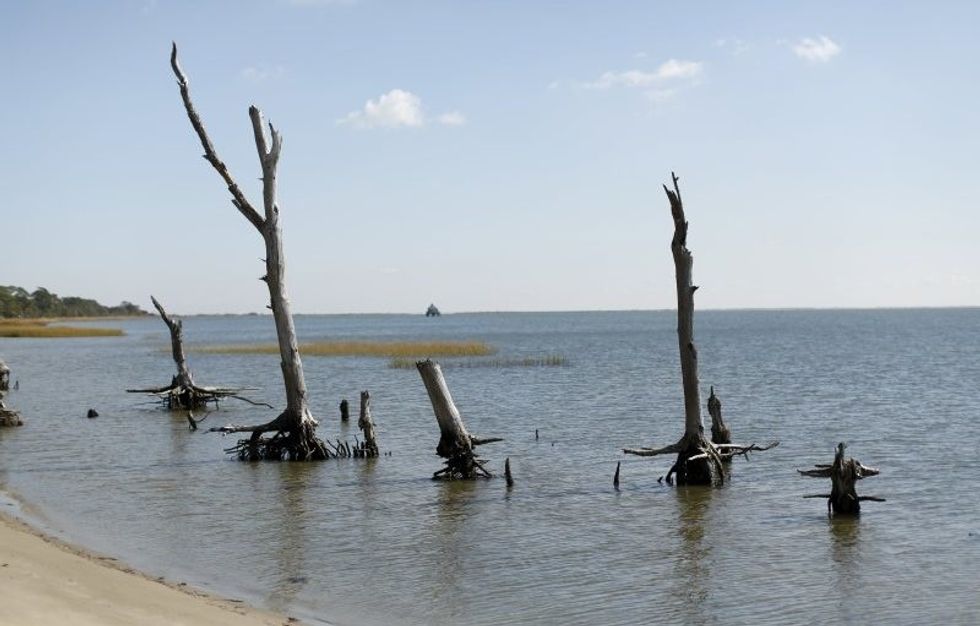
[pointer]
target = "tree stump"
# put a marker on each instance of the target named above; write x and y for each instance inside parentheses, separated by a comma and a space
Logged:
(8, 417)
(369, 448)
(456, 444)
(843, 474)
(719, 431)
(4, 376)
(344, 410)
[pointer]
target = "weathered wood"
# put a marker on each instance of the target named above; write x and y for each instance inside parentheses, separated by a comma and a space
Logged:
(344, 410)
(507, 475)
(182, 392)
(370, 446)
(843, 475)
(616, 477)
(699, 462)
(4, 376)
(720, 434)
(295, 427)
(456, 444)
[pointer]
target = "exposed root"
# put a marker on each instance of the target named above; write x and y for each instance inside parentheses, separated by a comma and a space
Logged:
(178, 397)
(699, 461)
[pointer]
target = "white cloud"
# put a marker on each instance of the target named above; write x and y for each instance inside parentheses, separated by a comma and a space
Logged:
(260, 73)
(669, 70)
(734, 45)
(452, 118)
(819, 50)
(397, 109)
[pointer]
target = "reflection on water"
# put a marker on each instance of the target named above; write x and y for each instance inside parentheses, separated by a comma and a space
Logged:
(358, 541)
(691, 573)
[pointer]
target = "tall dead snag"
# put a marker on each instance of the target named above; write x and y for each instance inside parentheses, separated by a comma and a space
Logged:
(698, 460)
(843, 498)
(182, 393)
(369, 447)
(293, 432)
(456, 444)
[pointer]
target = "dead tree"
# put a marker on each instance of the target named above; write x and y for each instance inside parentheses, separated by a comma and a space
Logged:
(843, 498)
(182, 393)
(456, 444)
(699, 462)
(369, 447)
(293, 432)
(719, 431)
(4, 376)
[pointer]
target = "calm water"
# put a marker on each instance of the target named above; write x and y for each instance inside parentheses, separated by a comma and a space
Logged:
(377, 542)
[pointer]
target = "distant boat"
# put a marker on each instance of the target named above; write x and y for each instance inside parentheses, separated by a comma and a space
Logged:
(432, 311)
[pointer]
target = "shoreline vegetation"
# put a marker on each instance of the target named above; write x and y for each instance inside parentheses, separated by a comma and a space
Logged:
(384, 349)
(48, 581)
(22, 328)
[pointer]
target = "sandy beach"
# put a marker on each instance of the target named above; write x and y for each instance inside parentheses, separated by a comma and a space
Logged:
(46, 581)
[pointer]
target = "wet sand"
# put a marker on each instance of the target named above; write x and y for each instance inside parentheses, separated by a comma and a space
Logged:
(46, 581)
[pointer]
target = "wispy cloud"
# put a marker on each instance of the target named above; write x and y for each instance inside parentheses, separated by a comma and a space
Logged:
(669, 70)
(260, 73)
(452, 118)
(733, 45)
(819, 50)
(397, 109)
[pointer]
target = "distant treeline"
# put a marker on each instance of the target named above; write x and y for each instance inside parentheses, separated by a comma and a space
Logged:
(18, 302)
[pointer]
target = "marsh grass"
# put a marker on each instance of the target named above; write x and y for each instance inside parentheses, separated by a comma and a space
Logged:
(388, 349)
(552, 360)
(41, 328)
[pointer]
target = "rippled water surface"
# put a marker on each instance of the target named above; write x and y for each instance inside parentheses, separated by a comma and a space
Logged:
(378, 542)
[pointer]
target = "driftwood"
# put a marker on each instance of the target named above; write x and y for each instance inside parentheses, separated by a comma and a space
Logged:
(456, 444)
(699, 461)
(182, 393)
(344, 410)
(843, 474)
(293, 432)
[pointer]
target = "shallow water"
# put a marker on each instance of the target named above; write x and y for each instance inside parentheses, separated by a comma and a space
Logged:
(376, 541)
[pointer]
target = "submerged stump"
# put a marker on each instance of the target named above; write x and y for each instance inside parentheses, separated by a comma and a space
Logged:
(843, 474)
(456, 444)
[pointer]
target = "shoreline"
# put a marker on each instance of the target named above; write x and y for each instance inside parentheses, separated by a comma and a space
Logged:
(47, 580)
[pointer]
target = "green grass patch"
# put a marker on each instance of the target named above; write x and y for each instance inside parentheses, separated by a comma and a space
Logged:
(41, 328)
(552, 360)
(388, 349)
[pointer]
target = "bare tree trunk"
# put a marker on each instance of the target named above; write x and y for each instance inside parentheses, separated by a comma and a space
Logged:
(182, 393)
(8, 417)
(698, 460)
(719, 431)
(689, 471)
(370, 446)
(4, 376)
(843, 474)
(456, 444)
(294, 428)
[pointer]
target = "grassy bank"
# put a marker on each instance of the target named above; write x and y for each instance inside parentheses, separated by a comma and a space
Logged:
(386, 349)
(552, 360)
(42, 328)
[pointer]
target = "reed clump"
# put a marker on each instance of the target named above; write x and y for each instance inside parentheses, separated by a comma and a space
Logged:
(385, 349)
(41, 328)
(551, 360)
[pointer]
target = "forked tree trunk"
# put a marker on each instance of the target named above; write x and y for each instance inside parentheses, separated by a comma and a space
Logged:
(456, 444)
(294, 429)
(369, 448)
(843, 474)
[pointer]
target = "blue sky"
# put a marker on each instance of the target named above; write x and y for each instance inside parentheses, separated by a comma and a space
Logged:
(497, 155)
